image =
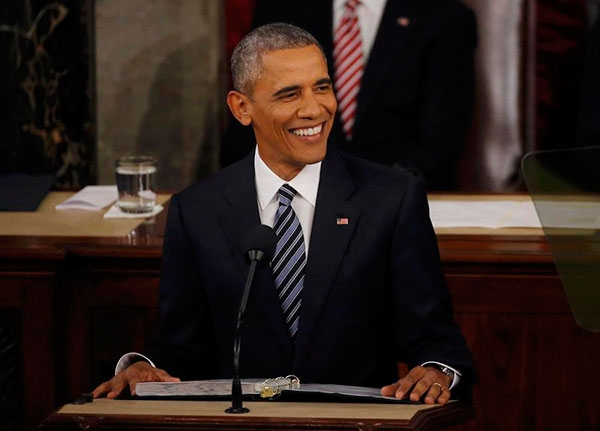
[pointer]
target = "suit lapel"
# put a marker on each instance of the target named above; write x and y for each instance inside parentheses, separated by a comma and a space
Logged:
(329, 238)
(390, 39)
(242, 213)
(236, 221)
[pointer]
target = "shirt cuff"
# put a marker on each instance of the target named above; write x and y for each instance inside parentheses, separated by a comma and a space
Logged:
(457, 374)
(128, 358)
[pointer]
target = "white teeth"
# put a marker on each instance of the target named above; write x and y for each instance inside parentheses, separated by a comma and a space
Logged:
(308, 132)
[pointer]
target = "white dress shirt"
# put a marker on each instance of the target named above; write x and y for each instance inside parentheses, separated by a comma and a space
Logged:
(369, 16)
(306, 183)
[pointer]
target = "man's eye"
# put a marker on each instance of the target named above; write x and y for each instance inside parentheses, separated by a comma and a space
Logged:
(324, 88)
(288, 96)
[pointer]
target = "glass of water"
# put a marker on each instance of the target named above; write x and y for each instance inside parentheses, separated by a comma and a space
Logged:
(135, 176)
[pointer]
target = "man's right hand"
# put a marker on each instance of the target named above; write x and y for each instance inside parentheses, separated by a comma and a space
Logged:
(130, 376)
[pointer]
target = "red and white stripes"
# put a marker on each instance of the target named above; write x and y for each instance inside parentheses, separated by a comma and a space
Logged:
(348, 63)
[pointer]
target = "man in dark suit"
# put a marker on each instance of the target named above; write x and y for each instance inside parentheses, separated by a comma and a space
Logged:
(416, 92)
(356, 283)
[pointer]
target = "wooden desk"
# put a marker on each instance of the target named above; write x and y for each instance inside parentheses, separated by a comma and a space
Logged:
(72, 305)
(44, 317)
(199, 415)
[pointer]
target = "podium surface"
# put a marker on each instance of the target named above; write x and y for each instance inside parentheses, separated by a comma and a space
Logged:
(104, 414)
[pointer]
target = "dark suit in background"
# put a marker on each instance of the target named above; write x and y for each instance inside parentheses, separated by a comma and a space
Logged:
(416, 95)
(588, 124)
(374, 292)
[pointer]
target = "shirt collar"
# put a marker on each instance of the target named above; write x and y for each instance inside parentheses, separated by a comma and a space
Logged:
(371, 5)
(306, 183)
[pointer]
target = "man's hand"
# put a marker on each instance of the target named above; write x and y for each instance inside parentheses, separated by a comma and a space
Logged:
(130, 376)
(427, 381)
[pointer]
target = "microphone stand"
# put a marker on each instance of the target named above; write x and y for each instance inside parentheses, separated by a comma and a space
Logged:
(236, 385)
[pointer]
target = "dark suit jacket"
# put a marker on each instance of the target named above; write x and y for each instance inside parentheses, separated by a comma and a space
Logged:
(415, 101)
(588, 124)
(374, 290)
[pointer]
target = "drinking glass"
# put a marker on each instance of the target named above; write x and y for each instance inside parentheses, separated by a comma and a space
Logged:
(135, 175)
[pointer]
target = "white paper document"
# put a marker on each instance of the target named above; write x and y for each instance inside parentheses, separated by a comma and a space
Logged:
(522, 215)
(352, 391)
(576, 214)
(192, 388)
(485, 214)
(211, 388)
(570, 213)
(90, 198)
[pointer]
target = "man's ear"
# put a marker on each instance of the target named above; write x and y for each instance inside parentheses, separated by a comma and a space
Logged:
(238, 104)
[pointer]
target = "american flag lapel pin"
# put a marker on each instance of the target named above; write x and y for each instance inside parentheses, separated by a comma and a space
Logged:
(341, 221)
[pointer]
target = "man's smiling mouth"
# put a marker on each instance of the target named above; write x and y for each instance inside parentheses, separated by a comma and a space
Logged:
(308, 131)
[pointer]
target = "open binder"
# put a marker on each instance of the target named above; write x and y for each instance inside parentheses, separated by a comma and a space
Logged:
(282, 388)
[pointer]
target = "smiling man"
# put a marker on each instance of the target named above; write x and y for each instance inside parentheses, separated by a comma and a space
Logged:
(355, 285)
(291, 107)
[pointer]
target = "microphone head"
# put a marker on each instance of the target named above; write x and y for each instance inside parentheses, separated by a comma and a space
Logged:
(261, 239)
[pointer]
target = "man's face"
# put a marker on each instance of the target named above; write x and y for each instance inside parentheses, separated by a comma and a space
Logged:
(291, 108)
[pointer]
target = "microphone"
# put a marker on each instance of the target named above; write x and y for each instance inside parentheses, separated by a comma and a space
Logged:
(260, 243)
(259, 247)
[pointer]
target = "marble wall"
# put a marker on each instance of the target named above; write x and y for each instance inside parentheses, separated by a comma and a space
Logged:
(147, 75)
(160, 76)
(46, 100)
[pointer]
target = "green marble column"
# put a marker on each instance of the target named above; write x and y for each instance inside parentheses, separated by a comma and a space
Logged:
(46, 102)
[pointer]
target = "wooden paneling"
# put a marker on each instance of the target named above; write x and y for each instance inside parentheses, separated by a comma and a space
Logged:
(11, 391)
(26, 299)
(116, 331)
(535, 372)
(483, 293)
(112, 309)
(37, 348)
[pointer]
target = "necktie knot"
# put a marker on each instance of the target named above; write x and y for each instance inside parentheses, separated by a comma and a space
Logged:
(351, 5)
(286, 193)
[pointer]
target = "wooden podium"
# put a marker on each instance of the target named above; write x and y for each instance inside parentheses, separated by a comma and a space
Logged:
(129, 415)
(77, 291)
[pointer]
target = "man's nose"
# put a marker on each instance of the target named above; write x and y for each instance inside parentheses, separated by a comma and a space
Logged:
(309, 107)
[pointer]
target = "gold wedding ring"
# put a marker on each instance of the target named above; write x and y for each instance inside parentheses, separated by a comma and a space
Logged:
(438, 384)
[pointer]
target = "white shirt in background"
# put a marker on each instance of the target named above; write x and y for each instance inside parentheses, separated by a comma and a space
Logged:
(369, 16)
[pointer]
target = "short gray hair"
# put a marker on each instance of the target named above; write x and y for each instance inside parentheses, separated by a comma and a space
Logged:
(246, 60)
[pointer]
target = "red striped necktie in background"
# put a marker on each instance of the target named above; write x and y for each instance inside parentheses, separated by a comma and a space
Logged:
(348, 63)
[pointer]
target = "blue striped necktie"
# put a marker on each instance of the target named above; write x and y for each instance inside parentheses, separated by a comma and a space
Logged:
(290, 259)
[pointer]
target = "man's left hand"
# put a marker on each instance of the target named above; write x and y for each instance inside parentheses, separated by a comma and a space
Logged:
(420, 381)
